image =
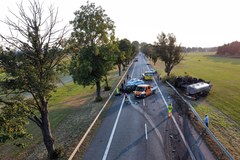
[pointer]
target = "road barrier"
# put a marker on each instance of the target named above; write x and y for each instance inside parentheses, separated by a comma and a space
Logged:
(224, 150)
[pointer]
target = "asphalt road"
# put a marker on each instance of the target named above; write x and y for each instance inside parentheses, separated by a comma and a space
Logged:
(141, 130)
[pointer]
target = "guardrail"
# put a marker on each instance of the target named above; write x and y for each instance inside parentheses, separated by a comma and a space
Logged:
(224, 150)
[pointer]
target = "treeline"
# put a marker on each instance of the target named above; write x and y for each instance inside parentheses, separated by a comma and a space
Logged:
(230, 49)
(199, 49)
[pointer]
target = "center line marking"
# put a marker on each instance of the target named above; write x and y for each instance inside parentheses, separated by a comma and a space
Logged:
(146, 131)
(113, 131)
(143, 102)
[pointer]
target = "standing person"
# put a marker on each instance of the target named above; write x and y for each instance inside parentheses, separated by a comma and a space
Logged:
(206, 120)
(127, 76)
(117, 92)
(170, 107)
(126, 96)
(122, 89)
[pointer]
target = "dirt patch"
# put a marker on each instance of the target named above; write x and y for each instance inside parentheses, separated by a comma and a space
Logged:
(75, 102)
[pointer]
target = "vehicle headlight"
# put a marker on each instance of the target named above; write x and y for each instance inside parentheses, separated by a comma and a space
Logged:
(143, 93)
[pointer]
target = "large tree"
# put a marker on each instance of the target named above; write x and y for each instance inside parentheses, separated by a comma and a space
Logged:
(125, 48)
(92, 38)
(168, 51)
(30, 64)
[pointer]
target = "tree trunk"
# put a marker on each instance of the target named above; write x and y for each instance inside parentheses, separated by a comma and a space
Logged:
(106, 81)
(46, 131)
(98, 88)
(167, 70)
(119, 69)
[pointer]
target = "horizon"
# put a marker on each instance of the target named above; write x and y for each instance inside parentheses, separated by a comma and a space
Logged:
(202, 24)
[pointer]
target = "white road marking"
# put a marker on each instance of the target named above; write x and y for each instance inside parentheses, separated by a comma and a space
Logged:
(149, 121)
(180, 132)
(113, 131)
(143, 102)
(146, 131)
(133, 70)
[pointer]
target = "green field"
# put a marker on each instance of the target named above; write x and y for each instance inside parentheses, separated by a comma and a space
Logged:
(223, 103)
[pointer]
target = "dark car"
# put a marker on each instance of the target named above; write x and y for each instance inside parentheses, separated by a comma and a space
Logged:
(135, 60)
(132, 84)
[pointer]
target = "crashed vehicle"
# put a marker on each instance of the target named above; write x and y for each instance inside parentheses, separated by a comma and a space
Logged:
(144, 90)
(193, 87)
(200, 88)
(132, 84)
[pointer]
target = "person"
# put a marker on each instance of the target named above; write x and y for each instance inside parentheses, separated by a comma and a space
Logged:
(127, 76)
(122, 88)
(126, 97)
(170, 110)
(117, 92)
(206, 120)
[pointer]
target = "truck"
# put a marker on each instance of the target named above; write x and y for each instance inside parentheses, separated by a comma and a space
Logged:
(144, 90)
(200, 88)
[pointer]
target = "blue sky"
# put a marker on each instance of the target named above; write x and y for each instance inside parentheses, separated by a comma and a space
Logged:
(195, 23)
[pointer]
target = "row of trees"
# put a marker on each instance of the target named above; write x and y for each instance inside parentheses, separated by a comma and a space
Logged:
(199, 49)
(164, 49)
(230, 49)
(36, 55)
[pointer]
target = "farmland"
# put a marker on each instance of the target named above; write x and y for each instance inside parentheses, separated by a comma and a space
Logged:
(223, 103)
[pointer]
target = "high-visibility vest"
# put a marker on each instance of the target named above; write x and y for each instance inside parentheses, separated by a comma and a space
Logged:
(170, 108)
(117, 90)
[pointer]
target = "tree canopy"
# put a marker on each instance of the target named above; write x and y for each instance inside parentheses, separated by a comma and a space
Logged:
(230, 49)
(93, 42)
(168, 51)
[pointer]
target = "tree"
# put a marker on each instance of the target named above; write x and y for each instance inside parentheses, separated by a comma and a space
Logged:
(120, 57)
(147, 49)
(126, 48)
(136, 45)
(154, 57)
(168, 51)
(92, 38)
(30, 64)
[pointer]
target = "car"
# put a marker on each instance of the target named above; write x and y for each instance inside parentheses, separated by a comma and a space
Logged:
(135, 60)
(147, 75)
(135, 81)
(152, 71)
(132, 84)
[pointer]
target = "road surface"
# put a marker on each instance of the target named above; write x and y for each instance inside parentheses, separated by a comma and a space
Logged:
(141, 130)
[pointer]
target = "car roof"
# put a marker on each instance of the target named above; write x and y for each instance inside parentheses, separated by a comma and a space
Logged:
(143, 85)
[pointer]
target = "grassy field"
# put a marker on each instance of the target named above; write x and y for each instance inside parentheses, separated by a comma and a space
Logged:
(72, 109)
(223, 103)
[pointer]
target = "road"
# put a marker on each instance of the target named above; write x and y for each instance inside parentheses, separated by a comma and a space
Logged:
(141, 130)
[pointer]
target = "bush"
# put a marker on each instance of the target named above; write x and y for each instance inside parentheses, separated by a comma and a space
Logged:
(171, 78)
(107, 88)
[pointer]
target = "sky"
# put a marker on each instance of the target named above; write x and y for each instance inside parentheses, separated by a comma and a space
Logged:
(195, 23)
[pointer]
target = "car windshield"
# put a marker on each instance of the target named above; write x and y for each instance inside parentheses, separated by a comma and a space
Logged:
(140, 89)
(148, 74)
(132, 80)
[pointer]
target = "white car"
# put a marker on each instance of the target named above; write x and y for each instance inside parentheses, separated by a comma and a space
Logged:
(152, 71)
